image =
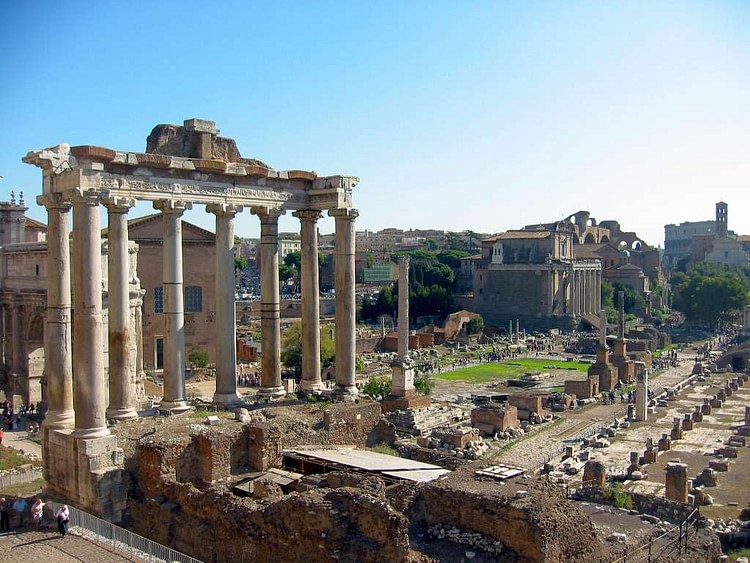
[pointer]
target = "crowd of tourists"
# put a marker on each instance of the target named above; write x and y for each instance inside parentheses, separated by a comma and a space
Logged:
(21, 512)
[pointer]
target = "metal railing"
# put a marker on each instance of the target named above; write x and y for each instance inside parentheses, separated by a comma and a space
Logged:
(674, 539)
(98, 530)
(12, 478)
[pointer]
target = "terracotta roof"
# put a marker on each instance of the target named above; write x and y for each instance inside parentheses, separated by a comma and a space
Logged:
(510, 235)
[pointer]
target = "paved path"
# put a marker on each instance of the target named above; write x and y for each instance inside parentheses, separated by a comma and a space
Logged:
(543, 445)
(49, 546)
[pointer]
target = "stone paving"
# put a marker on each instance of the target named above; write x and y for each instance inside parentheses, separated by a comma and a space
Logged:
(48, 545)
(546, 444)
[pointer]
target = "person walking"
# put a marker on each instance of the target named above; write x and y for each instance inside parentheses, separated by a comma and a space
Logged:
(63, 517)
(4, 515)
(37, 510)
(19, 508)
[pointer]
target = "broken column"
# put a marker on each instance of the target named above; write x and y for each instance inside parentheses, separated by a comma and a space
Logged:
(665, 443)
(676, 482)
(697, 414)
(602, 368)
(594, 473)
(641, 396)
(676, 432)
(687, 423)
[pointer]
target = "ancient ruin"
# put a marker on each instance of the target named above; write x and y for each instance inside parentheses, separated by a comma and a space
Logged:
(182, 166)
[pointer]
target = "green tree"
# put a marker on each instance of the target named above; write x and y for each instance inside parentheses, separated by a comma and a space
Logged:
(475, 325)
(240, 263)
(291, 347)
(198, 357)
(710, 294)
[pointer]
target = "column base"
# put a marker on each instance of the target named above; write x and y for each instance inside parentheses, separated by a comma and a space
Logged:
(227, 399)
(173, 407)
(59, 420)
(122, 414)
(311, 385)
(271, 392)
(88, 433)
(348, 393)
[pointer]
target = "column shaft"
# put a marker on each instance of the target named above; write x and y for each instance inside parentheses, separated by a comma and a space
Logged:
(310, 283)
(270, 323)
(174, 309)
(58, 366)
(345, 302)
(88, 326)
(122, 405)
(226, 335)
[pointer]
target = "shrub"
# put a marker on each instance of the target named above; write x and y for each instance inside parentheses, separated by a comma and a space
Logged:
(198, 357)
(377, 388)
(424, 383)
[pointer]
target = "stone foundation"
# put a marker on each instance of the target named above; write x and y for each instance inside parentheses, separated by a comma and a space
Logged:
(88, 471)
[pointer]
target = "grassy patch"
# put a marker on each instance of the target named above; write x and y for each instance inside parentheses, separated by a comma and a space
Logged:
(26, 489)
(10, 458)
(735, 554)
(510, 368)
(383, 449)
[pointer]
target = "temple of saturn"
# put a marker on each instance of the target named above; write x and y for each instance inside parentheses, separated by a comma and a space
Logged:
(182, 166)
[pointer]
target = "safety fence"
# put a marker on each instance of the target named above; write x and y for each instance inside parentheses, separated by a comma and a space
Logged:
(20, 477)
(103, 532)
(656, 548)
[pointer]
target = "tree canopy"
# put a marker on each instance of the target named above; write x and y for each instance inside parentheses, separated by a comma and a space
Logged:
(291, 347)
(711, 293)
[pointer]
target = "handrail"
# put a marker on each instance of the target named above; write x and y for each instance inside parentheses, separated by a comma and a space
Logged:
(683, 533)
(96, 529)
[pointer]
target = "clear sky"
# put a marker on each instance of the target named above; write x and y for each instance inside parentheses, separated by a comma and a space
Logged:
(455, 115)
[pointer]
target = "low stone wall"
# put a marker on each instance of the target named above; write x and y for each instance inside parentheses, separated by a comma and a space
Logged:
(662, 508)
(216, 526)
(538, 524)
(427, 455)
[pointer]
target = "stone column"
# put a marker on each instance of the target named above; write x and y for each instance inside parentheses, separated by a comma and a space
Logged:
(603, 328)
(173, 399)
(88, 326)
(122, 403)
(641, 396)
(402, 370)
(310, 300)
(226, 334)
(676, 482)
(550, 290)
(270, 322)
(58, 361)
(345, 302)
(16, 320)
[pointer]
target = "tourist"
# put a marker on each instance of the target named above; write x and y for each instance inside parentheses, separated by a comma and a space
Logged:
(37, 509)
(2, 435)
(4, 516)
(63, 517)
(19, 507)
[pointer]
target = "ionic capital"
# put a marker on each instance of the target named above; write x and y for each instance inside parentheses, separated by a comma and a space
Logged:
(308, 215)
(344, 214)
(172, 207)
(53, 201)
(223, 209)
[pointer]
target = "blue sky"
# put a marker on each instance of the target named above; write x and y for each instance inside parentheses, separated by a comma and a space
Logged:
(456, 115)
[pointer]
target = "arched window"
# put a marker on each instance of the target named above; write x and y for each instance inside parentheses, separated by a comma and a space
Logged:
(193, 299)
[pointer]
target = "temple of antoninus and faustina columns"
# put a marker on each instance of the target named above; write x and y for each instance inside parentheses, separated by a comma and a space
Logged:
(181, 168)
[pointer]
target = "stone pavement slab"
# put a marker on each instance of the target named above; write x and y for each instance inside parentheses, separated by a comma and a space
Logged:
(48, 545)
